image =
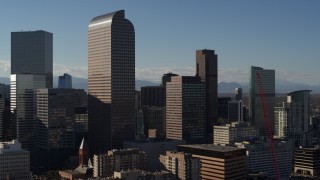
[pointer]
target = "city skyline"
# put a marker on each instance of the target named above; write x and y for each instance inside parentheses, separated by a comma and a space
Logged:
(117, 131)
(275, 35)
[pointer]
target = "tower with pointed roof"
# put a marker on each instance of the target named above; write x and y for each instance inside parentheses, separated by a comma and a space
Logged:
(83, 153)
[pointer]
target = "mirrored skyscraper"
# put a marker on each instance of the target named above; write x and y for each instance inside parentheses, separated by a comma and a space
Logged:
(111, 81)
(65, 81)
(267, 83)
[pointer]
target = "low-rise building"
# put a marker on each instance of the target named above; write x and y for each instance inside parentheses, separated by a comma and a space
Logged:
(118, 160)
(85, 169)
(143, 175)
(70, 175)
(234, 132)
(14, 161)
(306, 163)
(260, 158)
(182, 165)
(154, 148)
(218, 162)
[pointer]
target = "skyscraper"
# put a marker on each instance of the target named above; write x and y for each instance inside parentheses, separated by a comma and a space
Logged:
(207, 70)
(154, 119)
(56, 111)
(238, 94)
(235, 111)
(166, 78)
(299, 111)
(31, 53)
(23, 107)
(185, 112)
(267, 83)
(2, 121)
(280, 121)
(111, 81)
(152, 96)
(4, 112)
(65, 81)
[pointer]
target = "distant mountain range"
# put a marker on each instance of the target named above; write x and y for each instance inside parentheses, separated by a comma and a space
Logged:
(81, 83)
(282, 86)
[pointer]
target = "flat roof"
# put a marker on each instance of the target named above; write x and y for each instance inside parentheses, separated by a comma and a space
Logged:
(212, 147)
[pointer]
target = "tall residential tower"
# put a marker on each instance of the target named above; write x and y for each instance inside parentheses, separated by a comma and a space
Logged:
(111, 81)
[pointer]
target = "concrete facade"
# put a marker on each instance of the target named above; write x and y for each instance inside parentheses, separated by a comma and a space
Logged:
(14, 161)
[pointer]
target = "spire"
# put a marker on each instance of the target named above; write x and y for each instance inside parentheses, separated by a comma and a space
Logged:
(89, 163)
(83, 153)
(83, 145)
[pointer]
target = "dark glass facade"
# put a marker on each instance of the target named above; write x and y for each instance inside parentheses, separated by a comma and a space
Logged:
(65, 81)
(152, 96)
(56, 125)
(207, 70)
(111, 81)
(256, 115)
(223, 107)
(154, 118)
(31, 53)
(23, 107)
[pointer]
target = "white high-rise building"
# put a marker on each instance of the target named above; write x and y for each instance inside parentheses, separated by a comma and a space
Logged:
(280, 121)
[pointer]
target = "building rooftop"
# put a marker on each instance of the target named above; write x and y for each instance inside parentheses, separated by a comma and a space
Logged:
(106, 17)
(155, 140)
(212, 147)
(316, 148)
(125, 151)
(299, 91)
(11, 146)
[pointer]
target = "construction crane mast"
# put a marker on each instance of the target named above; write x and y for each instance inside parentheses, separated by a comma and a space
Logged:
(268, 128)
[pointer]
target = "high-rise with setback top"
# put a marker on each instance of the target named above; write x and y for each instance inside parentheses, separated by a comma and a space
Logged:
(111, 81)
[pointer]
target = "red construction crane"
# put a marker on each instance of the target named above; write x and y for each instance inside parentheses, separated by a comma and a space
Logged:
(268, 127)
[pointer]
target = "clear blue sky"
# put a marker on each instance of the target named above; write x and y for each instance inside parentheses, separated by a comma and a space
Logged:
(282, 35)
